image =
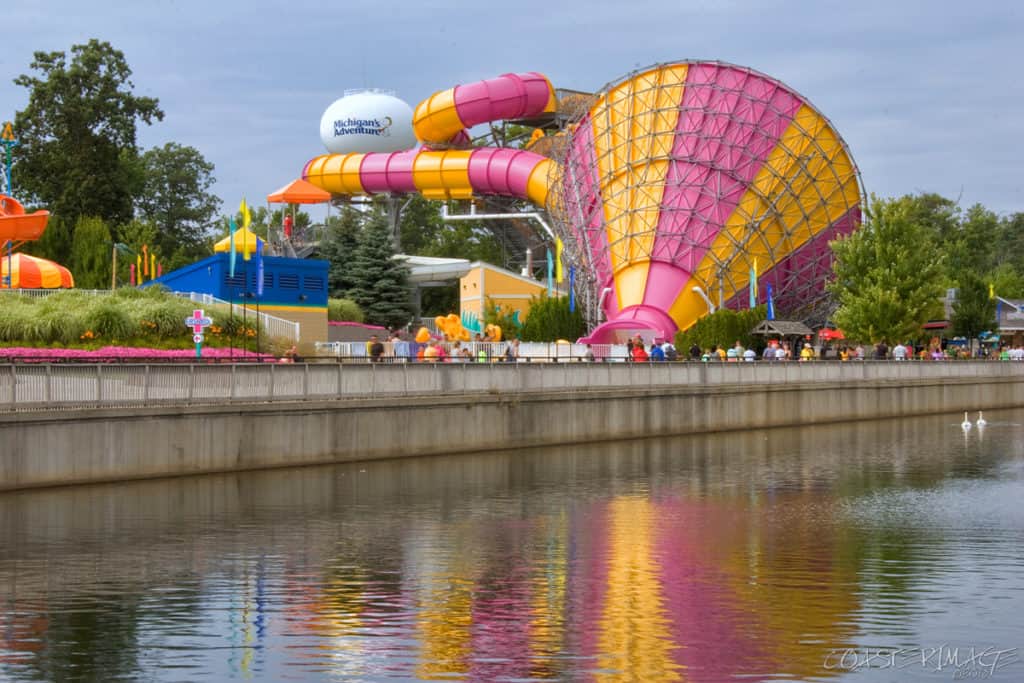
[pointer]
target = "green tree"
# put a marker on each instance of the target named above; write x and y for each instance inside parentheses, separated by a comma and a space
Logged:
(888, 274)
(338, 247)
(503, 317)
(419, 225)
(77, 152)
(1011, 241)
(549, 320)
(974, 246)
(380, 283)
(974, 311)
(1008, 282)
(724, 328)
(91, 254)
(176, 198)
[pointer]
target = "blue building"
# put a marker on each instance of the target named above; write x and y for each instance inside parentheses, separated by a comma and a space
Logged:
(293, 289)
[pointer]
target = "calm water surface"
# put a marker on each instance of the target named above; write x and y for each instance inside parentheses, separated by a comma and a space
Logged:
(886, 551)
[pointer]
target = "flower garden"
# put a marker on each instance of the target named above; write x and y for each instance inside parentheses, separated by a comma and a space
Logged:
(128, 324)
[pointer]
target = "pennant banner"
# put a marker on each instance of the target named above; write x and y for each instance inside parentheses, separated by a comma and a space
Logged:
(231, 247)
(558, 259)
(771, 303)
(259, 267)
(572, 289)
(551, 274)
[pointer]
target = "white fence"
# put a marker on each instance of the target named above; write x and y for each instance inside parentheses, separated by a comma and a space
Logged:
(477, 352)
(275, 327)
(64, 387)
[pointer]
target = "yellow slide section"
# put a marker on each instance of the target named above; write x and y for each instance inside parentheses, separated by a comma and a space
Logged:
(634, 129)
(807, 164)
(436, 118)
(434, 174)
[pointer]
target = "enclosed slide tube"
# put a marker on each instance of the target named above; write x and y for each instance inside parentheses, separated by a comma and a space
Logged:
(452, 174)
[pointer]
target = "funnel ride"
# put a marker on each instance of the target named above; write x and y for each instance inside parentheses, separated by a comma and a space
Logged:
(682, 188)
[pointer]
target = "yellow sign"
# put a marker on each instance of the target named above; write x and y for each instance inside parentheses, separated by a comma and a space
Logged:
(8, 133)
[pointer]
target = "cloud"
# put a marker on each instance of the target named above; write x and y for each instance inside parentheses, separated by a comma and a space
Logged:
(924, 93)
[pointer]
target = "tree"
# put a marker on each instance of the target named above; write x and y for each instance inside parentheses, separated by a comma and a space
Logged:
(1008, 282)
(380, 283)
(77, 152)
(91, 254)
(419, 224)
(550, 319)
(176, 199)
(339, 247)
(888, 274)
(974, 311)
(974, 246)
(723, 328)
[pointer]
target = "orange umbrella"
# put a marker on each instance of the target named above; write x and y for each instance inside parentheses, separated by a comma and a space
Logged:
(299, 192)
(34, 273)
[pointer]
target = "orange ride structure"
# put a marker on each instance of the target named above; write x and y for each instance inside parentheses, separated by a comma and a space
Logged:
(21, 271)
(678, 189)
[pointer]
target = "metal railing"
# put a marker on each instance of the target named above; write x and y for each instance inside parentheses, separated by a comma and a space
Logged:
(475, 352)
(50, 387)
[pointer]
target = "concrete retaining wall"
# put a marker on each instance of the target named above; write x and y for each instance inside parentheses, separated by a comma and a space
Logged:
(108, 444)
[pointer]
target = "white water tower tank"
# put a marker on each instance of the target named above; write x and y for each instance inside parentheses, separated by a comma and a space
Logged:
(367, 121)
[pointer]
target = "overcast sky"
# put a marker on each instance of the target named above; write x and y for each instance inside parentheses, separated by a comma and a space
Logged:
(928, 95)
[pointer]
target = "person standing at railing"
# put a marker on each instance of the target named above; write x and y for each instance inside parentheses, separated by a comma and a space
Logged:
(512, 351)
(376, 349)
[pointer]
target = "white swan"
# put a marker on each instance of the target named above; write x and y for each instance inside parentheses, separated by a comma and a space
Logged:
(966, 424)
(981, 420)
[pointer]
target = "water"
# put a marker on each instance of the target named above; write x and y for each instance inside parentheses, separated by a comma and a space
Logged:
(886, 551)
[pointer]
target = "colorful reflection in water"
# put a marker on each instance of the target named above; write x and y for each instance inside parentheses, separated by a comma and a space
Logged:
(754, 556)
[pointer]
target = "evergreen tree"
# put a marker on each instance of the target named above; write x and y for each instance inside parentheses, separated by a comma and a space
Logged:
(380, 283)
(91, 254)
(974, 311)
(338, 247)
(888, 275)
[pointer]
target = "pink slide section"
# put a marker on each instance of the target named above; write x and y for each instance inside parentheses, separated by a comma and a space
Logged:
(509, 96)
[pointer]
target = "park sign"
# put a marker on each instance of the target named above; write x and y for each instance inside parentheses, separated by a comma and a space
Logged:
(198, 322)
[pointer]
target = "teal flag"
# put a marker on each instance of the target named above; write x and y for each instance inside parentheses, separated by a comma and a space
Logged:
(551, 274)
(231, 248)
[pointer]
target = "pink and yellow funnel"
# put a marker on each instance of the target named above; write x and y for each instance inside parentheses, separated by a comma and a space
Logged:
(683, 187)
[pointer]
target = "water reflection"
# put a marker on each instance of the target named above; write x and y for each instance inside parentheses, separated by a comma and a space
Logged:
(751, 555)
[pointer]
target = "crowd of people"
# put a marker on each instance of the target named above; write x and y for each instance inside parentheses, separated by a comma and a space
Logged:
(485, 350)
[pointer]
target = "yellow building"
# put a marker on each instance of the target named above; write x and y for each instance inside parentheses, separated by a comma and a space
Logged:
(509, 290)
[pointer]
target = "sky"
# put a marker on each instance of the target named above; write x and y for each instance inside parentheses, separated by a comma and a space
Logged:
(927, 95)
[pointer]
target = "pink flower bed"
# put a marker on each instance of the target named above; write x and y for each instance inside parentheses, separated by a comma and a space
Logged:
(127, 353)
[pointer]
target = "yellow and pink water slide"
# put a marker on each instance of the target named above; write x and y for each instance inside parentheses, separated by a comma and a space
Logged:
(680, 188)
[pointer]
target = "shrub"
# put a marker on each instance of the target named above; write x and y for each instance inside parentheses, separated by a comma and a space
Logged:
(344, 310)
(723, 328)
(110, 321)
(549, 319)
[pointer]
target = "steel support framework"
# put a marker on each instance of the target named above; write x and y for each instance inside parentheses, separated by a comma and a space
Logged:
(711, 171)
